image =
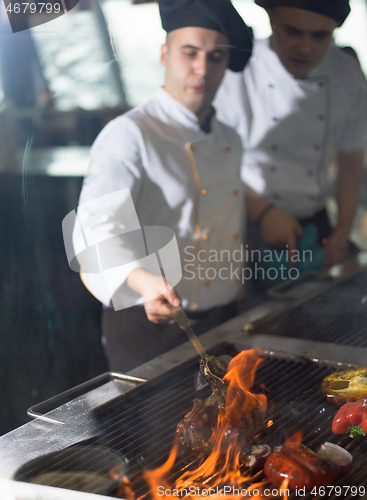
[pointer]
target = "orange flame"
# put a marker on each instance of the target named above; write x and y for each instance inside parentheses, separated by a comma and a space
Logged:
(284, 488)
(220, 474)
(295, 439)
(124, 489)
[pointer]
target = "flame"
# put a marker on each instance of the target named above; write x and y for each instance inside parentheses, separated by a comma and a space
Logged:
(295, 439)
(220, 474)
(284, 488)
(124, 489)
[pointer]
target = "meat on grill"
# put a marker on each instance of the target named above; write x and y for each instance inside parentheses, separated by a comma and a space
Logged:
(197, 430)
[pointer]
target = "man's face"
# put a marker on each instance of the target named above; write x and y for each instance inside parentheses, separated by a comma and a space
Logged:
(195, 60)
(300, 38)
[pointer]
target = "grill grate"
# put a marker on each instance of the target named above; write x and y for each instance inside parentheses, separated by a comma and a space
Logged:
(141, 424)
(338, 315)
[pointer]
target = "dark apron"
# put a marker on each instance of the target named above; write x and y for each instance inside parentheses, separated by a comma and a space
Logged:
(130, 339)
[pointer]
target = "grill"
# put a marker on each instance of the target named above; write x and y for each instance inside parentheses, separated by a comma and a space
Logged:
(140, 425)
(337, 316)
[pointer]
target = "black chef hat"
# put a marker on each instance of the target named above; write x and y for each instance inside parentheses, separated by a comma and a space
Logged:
(336, 9)
(218, 15)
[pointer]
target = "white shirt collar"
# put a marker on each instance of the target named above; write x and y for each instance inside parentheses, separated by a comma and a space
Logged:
(176, 111)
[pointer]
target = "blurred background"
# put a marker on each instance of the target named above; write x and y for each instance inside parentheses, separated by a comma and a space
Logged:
(60, 83)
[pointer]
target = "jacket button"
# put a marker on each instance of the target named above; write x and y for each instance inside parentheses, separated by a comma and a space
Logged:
(193, 147)
(273, 169)
(204, 191)
(310, 173)
(227, 149)
(236, 236)
(316, 147)
(237, 281)
(205, 237)
(321, 117)
(207, 283)
(274, 147)
(235, 192)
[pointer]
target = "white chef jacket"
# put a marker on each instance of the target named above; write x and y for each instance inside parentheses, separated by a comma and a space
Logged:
(291, 128)
(154, 150)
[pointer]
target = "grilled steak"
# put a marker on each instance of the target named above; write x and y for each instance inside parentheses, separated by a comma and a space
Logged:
(210, 424)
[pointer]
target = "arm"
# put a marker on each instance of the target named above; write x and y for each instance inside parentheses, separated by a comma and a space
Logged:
(126, 270)
(107, 219)
(348, 186)
(156, 294)
(276, 226)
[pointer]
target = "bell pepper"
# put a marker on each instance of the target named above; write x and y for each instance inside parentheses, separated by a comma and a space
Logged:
(352, 418)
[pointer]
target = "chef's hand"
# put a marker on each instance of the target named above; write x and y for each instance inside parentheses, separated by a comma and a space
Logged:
(337, 247)
(155, 293)
(280, 229)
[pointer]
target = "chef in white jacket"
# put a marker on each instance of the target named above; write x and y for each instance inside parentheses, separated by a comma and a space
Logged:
(299, 104)
(168, 165)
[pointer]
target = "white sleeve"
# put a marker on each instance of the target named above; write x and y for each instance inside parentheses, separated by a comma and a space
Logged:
(107, 237)
(353, 137)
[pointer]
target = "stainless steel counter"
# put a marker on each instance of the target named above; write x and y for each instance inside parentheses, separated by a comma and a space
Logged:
(39, 437)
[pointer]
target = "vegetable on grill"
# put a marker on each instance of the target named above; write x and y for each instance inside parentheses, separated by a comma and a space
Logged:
(346, 386)
(257, 456)
(351, 418)
(338, 456)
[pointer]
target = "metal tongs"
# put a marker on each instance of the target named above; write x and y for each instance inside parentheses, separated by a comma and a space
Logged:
(184, 322)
